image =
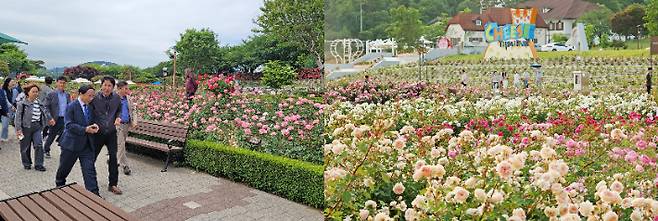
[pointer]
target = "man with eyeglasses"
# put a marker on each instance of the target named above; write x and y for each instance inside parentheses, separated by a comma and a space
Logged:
(107, 107)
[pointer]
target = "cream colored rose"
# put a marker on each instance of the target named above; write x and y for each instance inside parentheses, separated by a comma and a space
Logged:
(550, 212)
(610, 216)
(381, 217)
(461, 194)
(637, 215)
(547, 153)
(610, 197)
(410, 214)
(496, 197)
(399, 144)
(586, 208)
(398, 188)
(363, 214)
(371, 204)
(518, 212)
(617, 186)
(504, 170)
(437, 171)
(480, 194)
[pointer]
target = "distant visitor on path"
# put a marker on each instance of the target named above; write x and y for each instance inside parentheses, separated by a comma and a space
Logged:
(4, 113)
(77, 140)
(649, 80)
(517, 79)
(7, 91)
(464, 78)
(31, 118)
(190, 84)
(526, 79)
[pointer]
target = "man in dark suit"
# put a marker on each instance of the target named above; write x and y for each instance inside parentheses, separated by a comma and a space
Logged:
(77, 142)
(56, 102)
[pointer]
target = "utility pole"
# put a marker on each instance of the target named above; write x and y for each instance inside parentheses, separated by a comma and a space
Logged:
(361, 17)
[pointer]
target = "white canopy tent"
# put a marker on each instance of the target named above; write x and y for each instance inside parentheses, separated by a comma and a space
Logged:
(81, 81)
(35, 79)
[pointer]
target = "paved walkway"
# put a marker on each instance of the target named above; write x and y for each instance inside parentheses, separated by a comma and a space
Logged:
(179, 194)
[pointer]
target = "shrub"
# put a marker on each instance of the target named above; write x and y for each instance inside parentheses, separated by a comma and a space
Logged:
(292, 179)
(309, 73)
(219, 84)
(617, 44)
(560, 38)
(277, 74)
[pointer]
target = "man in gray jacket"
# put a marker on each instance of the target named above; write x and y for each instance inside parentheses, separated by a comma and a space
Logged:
(56, 102)
(43, 94)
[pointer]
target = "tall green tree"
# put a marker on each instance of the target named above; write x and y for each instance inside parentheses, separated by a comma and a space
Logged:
(626, 22)
(4, 68)
(597, 22)
(406, 27)
(198, 49)
(299, 22)
(651, 17)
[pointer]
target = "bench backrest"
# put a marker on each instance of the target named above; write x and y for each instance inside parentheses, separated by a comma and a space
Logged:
(169, 131)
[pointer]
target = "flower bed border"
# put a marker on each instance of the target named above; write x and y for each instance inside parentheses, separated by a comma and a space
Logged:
(295, 180)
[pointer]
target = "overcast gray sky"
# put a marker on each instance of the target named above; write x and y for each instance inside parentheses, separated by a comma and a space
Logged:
(136, 32)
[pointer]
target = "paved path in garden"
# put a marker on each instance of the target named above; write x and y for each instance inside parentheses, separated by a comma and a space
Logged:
(179, 194)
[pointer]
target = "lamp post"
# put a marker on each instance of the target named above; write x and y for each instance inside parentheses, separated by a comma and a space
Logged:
(172, 55)
(638, 35)
(164, 73)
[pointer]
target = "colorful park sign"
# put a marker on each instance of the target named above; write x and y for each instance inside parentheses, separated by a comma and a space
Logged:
(515, 40)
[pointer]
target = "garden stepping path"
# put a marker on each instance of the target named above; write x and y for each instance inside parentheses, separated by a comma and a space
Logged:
(148, 194)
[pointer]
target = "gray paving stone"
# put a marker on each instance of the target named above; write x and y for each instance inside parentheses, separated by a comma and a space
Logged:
(147, 186)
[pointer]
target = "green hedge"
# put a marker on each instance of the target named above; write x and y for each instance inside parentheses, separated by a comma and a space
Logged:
(292, 179)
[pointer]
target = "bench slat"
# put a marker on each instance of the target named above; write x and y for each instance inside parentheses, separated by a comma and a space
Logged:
(103, 203)
(93, 206)
(161, 131)
(50, 208)
(21, 210)
(63, 206)
(151, 144)
(35, 209)
(159, 135)
(6, 213)
(79, 206)
(167, 129)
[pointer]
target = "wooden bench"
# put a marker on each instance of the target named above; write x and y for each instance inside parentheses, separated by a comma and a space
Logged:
(167, 132)
(70, 202)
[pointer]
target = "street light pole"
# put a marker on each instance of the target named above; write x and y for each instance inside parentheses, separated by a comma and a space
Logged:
(638, 36)
(361, 17)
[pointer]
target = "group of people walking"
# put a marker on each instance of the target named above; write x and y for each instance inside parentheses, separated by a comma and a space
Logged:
(499, 80)
(81, 124)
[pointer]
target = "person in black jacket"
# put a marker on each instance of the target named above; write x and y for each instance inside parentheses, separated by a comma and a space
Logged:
(107, 107)
(649, 80)
(4, 109)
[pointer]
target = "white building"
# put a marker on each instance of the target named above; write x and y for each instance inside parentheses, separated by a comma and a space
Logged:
(560, 15)
(466, 30)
